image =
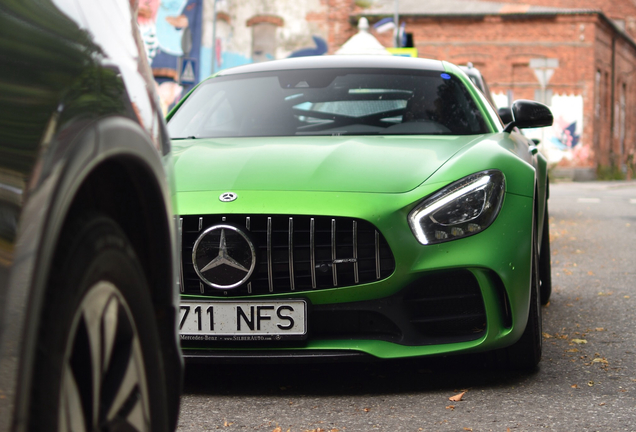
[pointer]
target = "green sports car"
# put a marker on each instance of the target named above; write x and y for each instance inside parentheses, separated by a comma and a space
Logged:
(345, 207)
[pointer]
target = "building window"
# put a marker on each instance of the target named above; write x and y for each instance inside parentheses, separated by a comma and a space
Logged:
(621, 118)
(264, 37)
(597, 94)
(263, 42)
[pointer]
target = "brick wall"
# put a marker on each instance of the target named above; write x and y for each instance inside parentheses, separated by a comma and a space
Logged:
(502, 46)
(623, 11)
(339, 26)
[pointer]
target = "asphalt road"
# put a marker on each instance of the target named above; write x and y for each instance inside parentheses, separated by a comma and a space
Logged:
(586, 380)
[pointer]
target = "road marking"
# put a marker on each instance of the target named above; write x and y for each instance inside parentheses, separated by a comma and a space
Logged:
(589, 200)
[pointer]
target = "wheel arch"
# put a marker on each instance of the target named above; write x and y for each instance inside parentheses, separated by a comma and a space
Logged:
(111, 167)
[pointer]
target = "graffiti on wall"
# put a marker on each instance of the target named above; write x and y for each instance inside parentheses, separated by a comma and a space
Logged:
(562, 144)
(171, 30)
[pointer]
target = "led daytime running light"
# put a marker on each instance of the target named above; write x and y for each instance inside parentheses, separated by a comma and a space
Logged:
(428, 230)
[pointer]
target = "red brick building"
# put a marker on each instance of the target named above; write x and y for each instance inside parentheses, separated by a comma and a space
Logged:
(592, 91)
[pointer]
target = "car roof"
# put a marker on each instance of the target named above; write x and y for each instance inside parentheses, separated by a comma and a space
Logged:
(339, 61)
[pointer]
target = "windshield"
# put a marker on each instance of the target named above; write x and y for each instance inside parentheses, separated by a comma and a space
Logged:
(329, 102)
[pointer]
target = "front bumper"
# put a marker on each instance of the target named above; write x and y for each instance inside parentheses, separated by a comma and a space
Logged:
(465, 295)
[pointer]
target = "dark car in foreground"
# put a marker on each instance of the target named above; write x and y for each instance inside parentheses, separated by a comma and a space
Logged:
(88, 292)
(358, 207)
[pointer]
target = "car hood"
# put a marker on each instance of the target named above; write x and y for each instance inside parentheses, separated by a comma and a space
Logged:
(344, 164)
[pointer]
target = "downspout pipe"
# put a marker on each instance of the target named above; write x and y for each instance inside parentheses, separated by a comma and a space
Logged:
(613, 104)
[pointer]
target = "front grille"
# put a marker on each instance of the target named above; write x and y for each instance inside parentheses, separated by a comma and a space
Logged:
(295, 253)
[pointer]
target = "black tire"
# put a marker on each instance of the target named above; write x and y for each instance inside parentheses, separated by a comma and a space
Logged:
(525, 354)
(99, 363)
(545, 260)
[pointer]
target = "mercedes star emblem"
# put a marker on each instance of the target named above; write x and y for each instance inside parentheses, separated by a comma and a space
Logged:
(228, 197)
(224, 256)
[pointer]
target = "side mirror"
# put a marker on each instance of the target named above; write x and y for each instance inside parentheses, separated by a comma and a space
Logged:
(529, 114)
(505, 114)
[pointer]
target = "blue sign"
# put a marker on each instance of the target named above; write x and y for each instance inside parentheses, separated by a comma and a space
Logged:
(188, 71)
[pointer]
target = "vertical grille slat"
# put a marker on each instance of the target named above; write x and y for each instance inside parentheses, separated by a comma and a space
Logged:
(290, 233)
(295, 253)
(312, 251)
(356, 271)
(181, 282)
(377, 255)
(248, 226)
(270, 272)
(334, 266)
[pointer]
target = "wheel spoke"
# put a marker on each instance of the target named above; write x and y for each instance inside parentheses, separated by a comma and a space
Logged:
(109, 330)
(71, 412)
(94, 310)
(104, 383)
(129, 393)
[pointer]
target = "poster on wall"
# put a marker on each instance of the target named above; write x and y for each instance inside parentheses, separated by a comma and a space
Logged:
(561, 144)
(171, 31)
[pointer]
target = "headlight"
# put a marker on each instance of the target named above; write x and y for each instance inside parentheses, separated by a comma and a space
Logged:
(461, 209)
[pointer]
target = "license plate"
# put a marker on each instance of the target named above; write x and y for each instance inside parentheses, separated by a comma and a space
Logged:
(243, 320)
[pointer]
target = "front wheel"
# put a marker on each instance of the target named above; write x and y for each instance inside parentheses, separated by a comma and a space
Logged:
(99, 361)
(525, 354)
(545, 264)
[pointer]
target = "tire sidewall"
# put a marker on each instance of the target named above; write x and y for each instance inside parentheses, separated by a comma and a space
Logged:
(99, 251)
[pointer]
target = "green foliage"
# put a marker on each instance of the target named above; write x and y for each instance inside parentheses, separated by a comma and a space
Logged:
(611, 172)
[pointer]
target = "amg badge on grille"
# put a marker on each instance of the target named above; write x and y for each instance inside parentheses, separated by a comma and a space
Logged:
(224, 256)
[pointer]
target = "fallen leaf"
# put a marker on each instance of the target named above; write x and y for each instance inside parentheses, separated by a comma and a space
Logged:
(599, 329)
(573, 350)
(579, 341)
(601, 404)
(546, 335)
(574, 386)
(277, 430)
(591, 273)
(468, 429)
(600, 360)
(626, 297)
(366, 409)
(609, 293)
(590, 383)
(450, 407)
(457, 397)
